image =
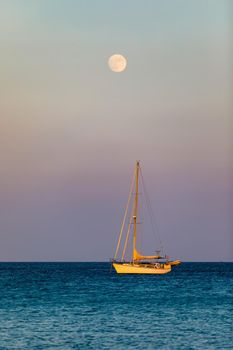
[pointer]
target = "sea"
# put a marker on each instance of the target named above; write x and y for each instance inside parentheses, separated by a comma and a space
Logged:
(65, 306)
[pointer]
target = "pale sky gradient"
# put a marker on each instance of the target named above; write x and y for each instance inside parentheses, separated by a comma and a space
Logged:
(71, 130)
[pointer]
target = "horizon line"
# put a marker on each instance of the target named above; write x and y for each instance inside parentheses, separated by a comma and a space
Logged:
(100, 262)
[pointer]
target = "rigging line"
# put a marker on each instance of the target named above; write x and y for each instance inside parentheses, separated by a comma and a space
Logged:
(140, 228)
(125, 215)
(127, 235)
(153, 220)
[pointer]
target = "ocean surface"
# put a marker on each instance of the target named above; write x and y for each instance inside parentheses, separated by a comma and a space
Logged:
(84, 306)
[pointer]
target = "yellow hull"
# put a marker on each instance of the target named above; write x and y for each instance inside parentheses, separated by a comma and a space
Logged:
(128, 268)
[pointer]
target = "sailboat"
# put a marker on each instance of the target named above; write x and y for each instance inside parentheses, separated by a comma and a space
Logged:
(139, 264)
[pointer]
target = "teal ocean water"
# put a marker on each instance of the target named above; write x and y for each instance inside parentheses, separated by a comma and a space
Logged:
(83, 306)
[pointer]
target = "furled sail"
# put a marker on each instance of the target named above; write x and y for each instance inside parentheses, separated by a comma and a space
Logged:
(138, 256)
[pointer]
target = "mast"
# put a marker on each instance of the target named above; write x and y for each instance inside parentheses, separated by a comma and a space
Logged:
(135, 209)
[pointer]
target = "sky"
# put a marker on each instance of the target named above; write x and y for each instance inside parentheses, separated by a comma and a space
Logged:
(71, 130)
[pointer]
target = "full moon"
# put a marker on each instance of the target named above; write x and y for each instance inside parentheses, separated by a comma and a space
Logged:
(117, 63)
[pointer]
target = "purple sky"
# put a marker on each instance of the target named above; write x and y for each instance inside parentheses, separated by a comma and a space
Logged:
(71, 130)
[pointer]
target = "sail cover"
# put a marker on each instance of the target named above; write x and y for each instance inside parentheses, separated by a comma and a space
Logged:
(138, 256)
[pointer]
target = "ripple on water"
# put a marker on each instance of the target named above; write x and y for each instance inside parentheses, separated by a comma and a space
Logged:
(82, 306)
